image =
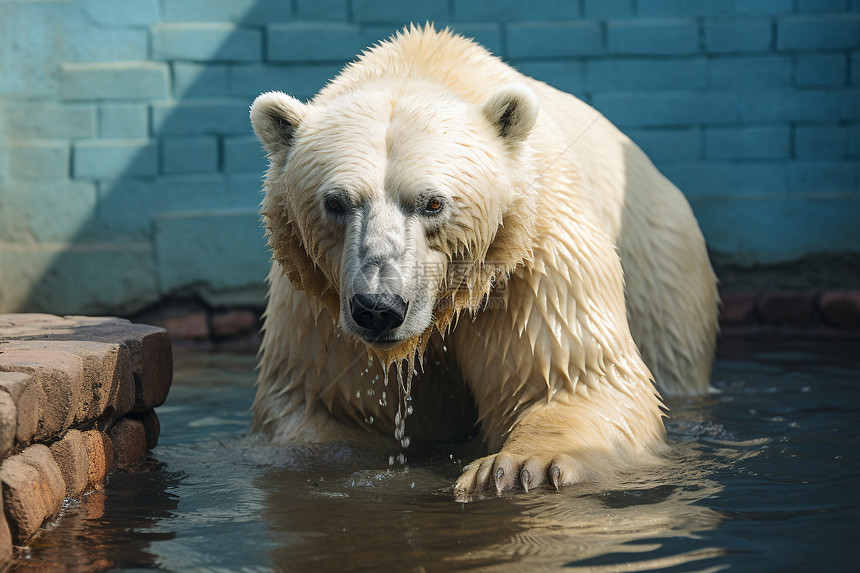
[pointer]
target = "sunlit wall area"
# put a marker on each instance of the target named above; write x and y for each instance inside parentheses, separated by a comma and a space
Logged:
(129, 173)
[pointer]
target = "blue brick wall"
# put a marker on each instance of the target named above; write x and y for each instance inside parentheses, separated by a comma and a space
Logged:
(128, 171)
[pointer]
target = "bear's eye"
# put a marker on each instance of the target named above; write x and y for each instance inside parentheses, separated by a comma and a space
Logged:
(334, 205)
(433, 206)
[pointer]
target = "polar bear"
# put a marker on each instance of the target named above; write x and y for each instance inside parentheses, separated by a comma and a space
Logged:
(459, 243)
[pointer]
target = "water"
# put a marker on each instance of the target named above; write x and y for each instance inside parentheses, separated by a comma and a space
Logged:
(764, 478)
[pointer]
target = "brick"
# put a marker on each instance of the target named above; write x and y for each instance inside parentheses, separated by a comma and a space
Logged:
(206, 42)
(195, 154)
(88, 43)
(189, 326)
(748, 142)
(54, 212)
(672, 8)
(639, 74)
(151, 428)
(727, 179)
(244, 189)
(316, 42)
(667, 108)
(533, 39)
(235, 256)
(200, 80)
(129, 443)
(796, 308)
(514, 10)
(488, 35)
(855, 69)
(738, 35)
(300, 81)
(243, 153)
(111, 13)
(35, 159)
(778, 105)
(841, 308)
(70, 454)
(201, 117)
(5, 540)
(8, 423)
(601, 9)
(806, 177)
(25, 395)
(821, 70)
(113, 158)
(568, 76)
(822, 141)
(123, 120)
(683, 144)
(32, 491)
(826, 32)
(233, 323)
(400, 12)
(329, 10)
(248, 12)
(738, 308)
(821, 5)
(50, 121)
(751, 72)
(659, 37)
(125, 208)
(193, 192)
(100, 457)
(114, 80)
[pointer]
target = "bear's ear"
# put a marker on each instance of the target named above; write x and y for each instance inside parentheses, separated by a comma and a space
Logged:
(275, 117)
(513, 111)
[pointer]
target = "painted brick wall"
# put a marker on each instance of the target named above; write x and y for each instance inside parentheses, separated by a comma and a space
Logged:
(128, 171)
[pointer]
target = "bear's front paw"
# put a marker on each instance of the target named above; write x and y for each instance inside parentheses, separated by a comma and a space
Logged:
(504, 471)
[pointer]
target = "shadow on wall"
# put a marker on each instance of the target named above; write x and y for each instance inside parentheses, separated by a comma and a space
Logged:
(132, 173)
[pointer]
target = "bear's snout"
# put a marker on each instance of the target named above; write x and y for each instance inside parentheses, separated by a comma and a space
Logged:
(378, 313)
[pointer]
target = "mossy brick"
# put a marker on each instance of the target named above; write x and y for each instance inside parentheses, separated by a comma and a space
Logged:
(123, 120)
(45, 212)
(821, 70)
(738, 35)
(206, 42)
(320, 41)
(38, 159)
(49, 120)
(302, 81)
(751, 72)
(330, 10)
(60, 278)
(488, 35)
(566, 75)
(92, 43)
(667, 108)
(821, 5)
(113, 80)
(819, 141)
(603, 9)
(748, 142)
(23, 391)
(192, 80)
(646, 74)
(112, 13)
(830, 177)
(243, 153)
(233, 257)
(191, 154)
(552, 39)
(681, 144)
(818, 32)
(653, 36)
(70, 455)
(248, 12)
(400, 11)
(514, 10)
(197, 117)
(113, 158)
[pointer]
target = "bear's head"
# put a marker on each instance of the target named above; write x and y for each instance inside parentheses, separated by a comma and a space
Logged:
(398, 204)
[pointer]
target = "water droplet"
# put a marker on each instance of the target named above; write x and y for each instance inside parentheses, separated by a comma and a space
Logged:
(391, 460)
(408, 410)
(445, 348)
(358, 394)
(405, 442)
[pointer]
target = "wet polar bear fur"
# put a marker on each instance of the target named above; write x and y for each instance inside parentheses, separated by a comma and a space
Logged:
(434, 210)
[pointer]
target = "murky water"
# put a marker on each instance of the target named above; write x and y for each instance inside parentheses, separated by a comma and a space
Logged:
(765, 478)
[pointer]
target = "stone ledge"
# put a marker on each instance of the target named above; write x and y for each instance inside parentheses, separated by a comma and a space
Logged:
(76, 401)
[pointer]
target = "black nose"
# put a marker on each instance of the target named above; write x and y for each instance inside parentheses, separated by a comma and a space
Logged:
(378, 313)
